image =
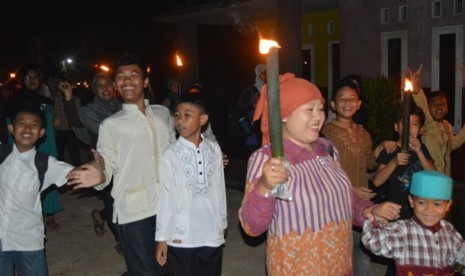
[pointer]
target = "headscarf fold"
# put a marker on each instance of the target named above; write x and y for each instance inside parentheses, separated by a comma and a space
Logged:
(293, 92)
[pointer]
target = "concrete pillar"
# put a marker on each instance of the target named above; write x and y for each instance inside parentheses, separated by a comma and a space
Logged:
(289, 36)
(188, 48)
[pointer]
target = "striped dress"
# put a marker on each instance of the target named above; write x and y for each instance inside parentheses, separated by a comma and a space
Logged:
(310, 235)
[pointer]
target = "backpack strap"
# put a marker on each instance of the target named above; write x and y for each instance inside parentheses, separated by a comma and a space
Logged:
(41, 162)
(5, 150)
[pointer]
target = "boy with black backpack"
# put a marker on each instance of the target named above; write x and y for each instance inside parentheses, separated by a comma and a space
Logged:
(21, 223)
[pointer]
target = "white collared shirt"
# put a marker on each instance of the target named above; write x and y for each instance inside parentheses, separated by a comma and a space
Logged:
(132, 144)
(21, 222)
(192, 195)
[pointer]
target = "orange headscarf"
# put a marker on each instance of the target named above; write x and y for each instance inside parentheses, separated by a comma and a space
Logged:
(293, 92)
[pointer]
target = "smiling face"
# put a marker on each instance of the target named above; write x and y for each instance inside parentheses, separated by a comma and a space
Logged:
(130, 83)
(189, 119)
(429, 211)
(104, 88)
(347, 103)
(438, 108)
(26, 130)
(303, 125)
(415, 126)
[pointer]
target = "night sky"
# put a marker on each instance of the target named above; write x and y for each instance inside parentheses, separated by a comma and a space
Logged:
(93, 31)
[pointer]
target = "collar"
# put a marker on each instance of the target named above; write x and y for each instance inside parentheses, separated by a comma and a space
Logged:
(435, 228)
(133, 107)
(189, 144)
(24, 154)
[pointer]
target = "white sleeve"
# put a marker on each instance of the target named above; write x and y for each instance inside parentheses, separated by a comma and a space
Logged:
(56, 173)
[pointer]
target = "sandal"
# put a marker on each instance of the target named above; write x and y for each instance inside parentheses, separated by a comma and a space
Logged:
(99, 223)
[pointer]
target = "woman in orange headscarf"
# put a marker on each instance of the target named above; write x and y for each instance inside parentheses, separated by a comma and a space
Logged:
(310, 234)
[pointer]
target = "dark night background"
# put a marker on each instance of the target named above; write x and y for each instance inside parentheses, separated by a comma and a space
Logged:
(96, 32)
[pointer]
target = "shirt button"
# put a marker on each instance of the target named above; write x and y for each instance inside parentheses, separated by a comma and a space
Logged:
(200, 162)
(198, 151)
(200, 173)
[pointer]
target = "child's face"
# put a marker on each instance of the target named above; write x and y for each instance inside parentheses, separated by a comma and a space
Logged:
(32, 80)
(429, 211)
(130, 83)
(347, 103)
(189, 120)
(303, 125)
(104, 88)
(438, 108)
(26, 130)
(415, 126)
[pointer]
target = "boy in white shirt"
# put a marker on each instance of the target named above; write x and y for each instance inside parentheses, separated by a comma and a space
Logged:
(21, 222)
(192, 222)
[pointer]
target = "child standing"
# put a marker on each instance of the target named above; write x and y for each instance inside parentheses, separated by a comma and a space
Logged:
(192, 218)
(425, 244)
(438, 134)
(356, 156)
(395, 169)
(21, 223)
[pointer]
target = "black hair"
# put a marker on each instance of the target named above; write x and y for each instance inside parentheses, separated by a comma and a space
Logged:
(348, 81)
(29, 109)
(132, 59)
(436, 94)
(29, 67)
(197, 99)
(414, 110)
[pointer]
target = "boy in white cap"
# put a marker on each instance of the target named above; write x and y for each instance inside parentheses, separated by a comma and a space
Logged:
(426, 244)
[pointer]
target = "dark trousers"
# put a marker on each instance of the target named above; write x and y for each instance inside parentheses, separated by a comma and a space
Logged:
(198, 261)
(138, 242)
(67, 140)
(107, 212)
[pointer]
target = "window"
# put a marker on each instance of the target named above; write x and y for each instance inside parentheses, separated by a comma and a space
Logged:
(436, 8)
(330, 27)
(403, 13)
(311, 30)
(385, 16)
(458, 7)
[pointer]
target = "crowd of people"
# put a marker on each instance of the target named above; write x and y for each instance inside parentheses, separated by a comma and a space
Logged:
(160, 172)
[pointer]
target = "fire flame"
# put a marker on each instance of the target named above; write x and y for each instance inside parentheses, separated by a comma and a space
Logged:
(266, 44)
(178, 60)
(408, 85)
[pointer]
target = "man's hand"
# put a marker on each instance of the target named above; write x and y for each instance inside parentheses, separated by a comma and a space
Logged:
(66, 89)
(364, 193)
(86, 176)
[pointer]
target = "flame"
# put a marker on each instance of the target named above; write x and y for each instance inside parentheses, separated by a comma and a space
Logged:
(266, 44)
(104, 68)
(408, 85)
(178, 61)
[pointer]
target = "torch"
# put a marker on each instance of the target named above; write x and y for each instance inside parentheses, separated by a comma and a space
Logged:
(270, 48)
(406, 115)
(179, 64)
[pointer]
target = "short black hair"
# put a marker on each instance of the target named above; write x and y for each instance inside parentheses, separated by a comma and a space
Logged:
(197, 99)
(348, 81)
(436, 94)
(27, 68)
(30, 109)
(132, 59)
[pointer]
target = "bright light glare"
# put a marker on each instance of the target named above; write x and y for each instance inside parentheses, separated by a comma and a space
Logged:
(12, 75)
(69, 60)
(408, 85)
(266, 44)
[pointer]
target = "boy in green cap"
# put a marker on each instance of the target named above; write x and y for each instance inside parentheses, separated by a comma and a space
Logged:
(426, 244)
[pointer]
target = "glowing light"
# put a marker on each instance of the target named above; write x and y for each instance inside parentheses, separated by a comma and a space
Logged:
(12, 75)
(266, 44)
(178, 61)
(408, 85)
(104, 68)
